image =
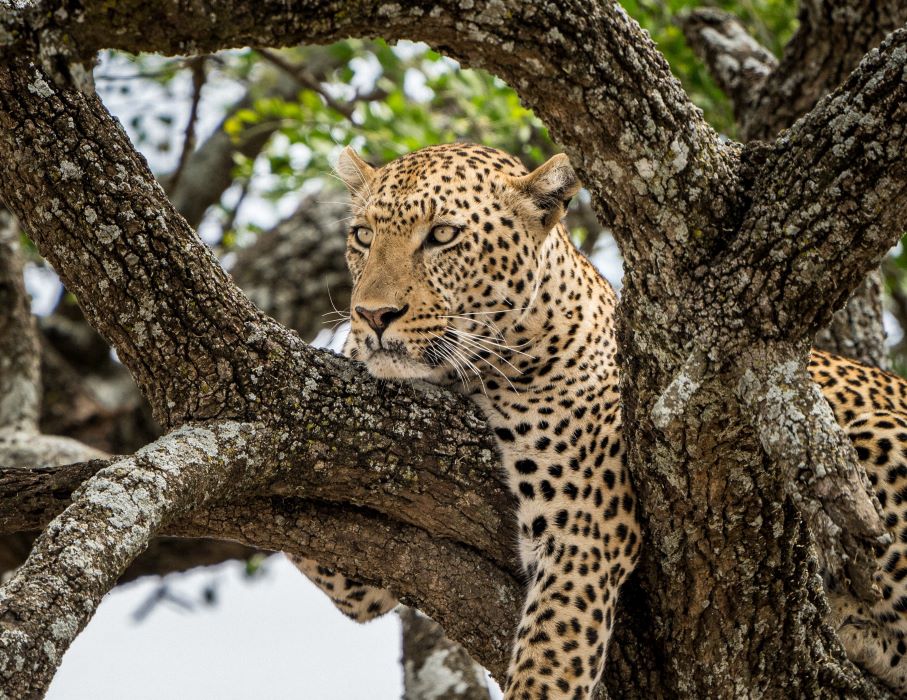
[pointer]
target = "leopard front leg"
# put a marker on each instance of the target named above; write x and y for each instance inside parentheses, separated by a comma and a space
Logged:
(577, 556)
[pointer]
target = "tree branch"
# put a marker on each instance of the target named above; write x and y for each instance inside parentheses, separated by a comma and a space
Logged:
(443, 557)
(199, 76)
(634, 153)
(114, 514)
(143, 277)
(307, 80)
(856, 330)
(637, 155)
(832, 38)
(844, 182)
(739, 63)
(798, 430)
(20, 379)
(434, 666)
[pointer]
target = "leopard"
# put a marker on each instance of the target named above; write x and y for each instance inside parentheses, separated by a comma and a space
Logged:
(465, 275)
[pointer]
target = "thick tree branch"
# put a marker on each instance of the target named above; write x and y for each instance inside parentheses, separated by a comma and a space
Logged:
(649, 158)
(827, 196)
(652, 162)
(350, 442)
(832, 38)
(444, 566)
(798, 430)
(141, 274)
(830, 194)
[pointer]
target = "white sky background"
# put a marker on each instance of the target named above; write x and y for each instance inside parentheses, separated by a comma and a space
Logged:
(271, 636)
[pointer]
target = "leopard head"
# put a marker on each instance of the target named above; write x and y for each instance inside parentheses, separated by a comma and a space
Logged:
(444, 250)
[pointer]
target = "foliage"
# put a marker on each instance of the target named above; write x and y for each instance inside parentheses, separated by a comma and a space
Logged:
(415, 98)
(771, 22)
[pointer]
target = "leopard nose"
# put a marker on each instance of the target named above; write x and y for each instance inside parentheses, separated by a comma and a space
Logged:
(379, 319)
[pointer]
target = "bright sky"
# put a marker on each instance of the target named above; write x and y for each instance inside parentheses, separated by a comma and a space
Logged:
(273, 636)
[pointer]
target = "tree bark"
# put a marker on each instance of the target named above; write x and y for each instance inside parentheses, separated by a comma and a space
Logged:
(433, 665)
(734, 258)
(769, 96)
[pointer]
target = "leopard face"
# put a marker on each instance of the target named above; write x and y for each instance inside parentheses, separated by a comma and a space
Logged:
(444, 249)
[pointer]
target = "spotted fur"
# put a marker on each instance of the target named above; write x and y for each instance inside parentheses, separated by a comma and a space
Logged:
(464, 276)
(871, 405)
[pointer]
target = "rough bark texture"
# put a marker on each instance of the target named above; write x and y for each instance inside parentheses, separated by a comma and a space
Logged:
(832, 38)
(435, 667)
(727, 249)
(769, 96)
(51, 597)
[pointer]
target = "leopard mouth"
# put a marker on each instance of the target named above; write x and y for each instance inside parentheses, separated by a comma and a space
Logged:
(395, 363)
(393, 359)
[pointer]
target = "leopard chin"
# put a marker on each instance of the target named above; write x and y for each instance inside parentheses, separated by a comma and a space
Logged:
(385, 364)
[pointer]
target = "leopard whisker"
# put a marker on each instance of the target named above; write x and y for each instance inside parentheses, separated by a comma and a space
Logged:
(496, 369)
(455, 352)
(483, 339)
(444, 350)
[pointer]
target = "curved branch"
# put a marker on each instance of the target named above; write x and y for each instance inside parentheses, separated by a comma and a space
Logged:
(142, 276)
(83, 551)
(635, 151)
(439, 538)
(651, 161)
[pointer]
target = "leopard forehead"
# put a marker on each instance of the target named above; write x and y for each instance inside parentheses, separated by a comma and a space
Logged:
(435, 182)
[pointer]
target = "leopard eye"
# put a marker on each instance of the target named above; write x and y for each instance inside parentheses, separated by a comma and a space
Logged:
(363, 236)
(442, 234)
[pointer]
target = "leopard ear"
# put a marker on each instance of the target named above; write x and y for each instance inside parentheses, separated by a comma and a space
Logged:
(549, 189)
(355, 172)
